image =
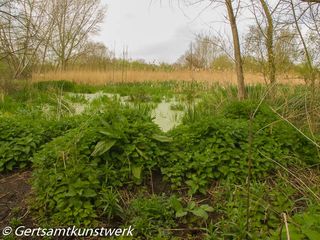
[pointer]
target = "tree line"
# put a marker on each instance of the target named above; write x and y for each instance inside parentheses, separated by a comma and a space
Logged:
(33, 32)
(283, 34)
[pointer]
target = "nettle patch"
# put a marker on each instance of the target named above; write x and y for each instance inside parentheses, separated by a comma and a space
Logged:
(78, 177)
(114, 150)
(218, 149)
(21, 137)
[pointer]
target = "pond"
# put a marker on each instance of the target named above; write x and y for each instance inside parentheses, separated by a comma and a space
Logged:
(164, 114)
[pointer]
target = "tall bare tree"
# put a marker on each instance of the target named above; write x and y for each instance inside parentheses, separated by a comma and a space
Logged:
(20, 21)
(237, 50)
(36, 31)
(297, 16)
(268, 36)
(269, 39)
(74, 21)
(231, 15)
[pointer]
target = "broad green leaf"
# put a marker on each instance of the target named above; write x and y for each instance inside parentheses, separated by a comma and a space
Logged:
(181, 213)
(89, 193)
(175, 203)
(200, 213)
(10, 165)
(207, 208)
(295, 234)
(141, 154)
(109, 134)
(311, 234)
(136, 171)
(102, 147)
(23, 165)
(191, 205)
(224, 169)
(161, 138)
(71, 193)
(77, 203)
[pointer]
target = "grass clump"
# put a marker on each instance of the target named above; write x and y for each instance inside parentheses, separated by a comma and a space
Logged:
(151, 216)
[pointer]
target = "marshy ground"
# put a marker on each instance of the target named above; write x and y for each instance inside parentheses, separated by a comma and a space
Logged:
(177, 160)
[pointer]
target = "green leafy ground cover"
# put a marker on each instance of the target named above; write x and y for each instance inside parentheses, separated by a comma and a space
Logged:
(21, 137)
(219, 175)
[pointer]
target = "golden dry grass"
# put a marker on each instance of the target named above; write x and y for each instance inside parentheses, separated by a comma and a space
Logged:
(105, 77)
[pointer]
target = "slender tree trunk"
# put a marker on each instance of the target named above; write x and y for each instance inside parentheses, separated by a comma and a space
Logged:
(237, 51)
(311, 77)
(269, 43)
(311, 71)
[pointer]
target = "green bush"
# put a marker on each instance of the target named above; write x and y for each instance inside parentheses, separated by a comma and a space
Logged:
(9, 105)
(20, 138)
(208, 150)
(115, 149)
(245, 110)
(217, 147)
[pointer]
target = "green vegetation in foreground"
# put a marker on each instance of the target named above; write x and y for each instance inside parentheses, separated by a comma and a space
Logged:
(21, 137)
(115, 167)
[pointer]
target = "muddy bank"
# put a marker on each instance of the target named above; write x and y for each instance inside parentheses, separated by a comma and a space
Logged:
(14, 192)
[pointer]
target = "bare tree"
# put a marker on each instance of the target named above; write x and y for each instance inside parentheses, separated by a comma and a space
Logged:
(237, 50)
(202, 52)
(285, 50)
(267, 32)
(74, 21)
(20, 22)
(231, 15)
(95, 56)
(255, 50)
(33, 32)
(311, 21)
(297, 16)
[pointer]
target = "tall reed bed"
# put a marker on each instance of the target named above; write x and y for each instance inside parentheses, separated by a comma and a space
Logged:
(104, 77)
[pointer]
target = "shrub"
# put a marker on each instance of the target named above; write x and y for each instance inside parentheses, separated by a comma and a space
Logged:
(115, 149)
(218, 148)
(20, 138)
(244, 110)
(208, 150)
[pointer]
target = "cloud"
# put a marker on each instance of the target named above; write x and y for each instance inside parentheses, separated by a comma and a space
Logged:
(152, 32)
(167, 50)
(129, 16)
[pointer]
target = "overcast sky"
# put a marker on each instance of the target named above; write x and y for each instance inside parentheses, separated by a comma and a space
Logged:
(153, 31)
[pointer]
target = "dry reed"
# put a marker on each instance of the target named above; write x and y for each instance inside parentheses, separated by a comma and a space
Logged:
(105, 77)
